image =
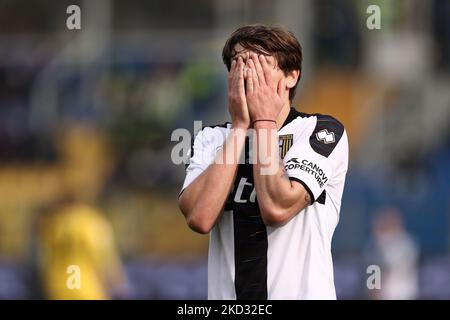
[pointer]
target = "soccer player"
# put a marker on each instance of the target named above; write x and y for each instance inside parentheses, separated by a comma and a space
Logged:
(270, 217)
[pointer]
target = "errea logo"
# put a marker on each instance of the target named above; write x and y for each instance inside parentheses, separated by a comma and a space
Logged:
(292, 163)
(325, 136)
(293, 160)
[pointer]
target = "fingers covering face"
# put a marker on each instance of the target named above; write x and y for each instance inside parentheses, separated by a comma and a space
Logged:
(256, 72)
(250, 78)
(258, 69)
(236, 76)
(233, 65)
(231, 73)
(267, 73)
(263, 70)
(240, 77)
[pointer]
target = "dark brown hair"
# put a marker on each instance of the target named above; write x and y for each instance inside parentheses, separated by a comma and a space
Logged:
(276, 41)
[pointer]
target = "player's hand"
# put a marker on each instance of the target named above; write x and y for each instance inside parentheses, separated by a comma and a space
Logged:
(265, 97)
(237, 101)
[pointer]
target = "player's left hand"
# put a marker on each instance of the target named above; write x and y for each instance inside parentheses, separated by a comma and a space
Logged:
(265, 97)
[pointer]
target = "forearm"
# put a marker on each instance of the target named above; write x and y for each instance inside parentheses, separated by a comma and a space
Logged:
(275, 192)
(203, 201)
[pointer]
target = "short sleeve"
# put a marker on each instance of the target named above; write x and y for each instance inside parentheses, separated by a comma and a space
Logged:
(313, 158)
(203, 152)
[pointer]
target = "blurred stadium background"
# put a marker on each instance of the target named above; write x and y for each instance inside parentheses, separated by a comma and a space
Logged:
(86, 117)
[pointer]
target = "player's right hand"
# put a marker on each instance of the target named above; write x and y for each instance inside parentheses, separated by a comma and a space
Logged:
(237, 101)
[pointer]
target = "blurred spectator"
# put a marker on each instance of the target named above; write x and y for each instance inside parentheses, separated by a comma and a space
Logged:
(397, 255)
(77, 234)
(72, 234)
(441, 34)
(337, 39)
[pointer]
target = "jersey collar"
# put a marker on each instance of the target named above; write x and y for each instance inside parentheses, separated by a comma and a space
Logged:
(293, 114)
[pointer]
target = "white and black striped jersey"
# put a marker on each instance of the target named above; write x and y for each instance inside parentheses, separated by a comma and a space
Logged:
(248, 260)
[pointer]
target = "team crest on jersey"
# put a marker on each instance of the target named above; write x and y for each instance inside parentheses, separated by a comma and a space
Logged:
(285, 141)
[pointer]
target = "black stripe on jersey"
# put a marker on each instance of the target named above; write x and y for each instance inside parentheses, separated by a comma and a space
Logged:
(250, 254)
(250, 241)
(330, 127)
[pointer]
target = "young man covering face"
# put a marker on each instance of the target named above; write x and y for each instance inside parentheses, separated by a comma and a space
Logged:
(270, 203)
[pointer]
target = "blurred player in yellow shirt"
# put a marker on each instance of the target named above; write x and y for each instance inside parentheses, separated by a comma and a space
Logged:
(78, 257)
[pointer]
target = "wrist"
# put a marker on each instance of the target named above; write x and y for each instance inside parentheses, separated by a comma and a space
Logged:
(264, 123)
(240, 126)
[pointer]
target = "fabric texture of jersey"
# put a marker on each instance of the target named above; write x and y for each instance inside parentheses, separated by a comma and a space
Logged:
(248, 260)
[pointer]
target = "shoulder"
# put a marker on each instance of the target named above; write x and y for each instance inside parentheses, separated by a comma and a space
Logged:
(207, 140)
(328, 124)
(296, 119)
(216, 128)
(211, 134)
(325, 133)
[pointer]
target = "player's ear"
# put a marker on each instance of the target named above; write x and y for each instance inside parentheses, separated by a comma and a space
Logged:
(291, 78)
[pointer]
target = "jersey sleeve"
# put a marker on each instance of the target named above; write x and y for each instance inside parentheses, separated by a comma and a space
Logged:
(203, 152)
(313, 159)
